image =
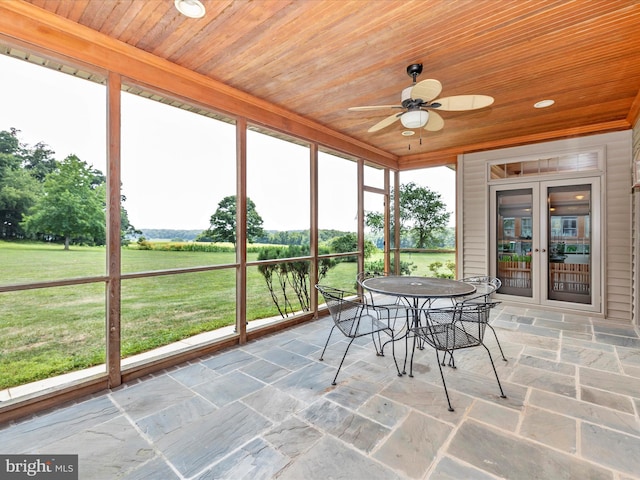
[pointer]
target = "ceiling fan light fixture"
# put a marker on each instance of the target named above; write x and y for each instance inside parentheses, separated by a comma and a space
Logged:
(414, 118)
(190, 8)
(408, 133)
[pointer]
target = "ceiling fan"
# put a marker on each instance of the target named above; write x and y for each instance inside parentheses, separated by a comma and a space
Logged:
(418, 105)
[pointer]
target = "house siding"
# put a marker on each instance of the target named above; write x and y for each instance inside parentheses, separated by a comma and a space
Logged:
(473, 211)
(473, 217)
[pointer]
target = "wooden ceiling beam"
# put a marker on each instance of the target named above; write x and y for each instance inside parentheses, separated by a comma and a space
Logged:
(634, 111)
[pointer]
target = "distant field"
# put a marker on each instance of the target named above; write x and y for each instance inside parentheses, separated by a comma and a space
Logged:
(46, 332)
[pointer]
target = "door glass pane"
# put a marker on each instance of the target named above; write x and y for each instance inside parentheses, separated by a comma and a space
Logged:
(514, 237)
(569, 243)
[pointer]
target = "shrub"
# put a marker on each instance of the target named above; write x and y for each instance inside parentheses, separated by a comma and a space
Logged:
(377, 267)
(440, 270)
(283, 277)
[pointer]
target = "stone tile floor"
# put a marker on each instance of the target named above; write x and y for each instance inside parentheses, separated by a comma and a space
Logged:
(267, 410)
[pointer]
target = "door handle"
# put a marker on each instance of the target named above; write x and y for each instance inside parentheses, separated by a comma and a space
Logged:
(543, 250)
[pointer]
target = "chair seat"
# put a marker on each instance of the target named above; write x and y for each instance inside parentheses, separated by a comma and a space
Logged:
(364, 324)
(446, 337)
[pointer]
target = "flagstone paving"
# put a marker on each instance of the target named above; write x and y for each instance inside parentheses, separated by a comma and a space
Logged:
(267, 409)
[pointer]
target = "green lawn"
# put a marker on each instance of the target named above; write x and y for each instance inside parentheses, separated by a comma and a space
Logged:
(46, 332)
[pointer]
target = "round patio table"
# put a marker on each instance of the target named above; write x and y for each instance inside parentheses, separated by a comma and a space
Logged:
(418, 288)
(417, 292)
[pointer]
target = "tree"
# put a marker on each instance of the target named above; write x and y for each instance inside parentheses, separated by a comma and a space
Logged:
(422, 215)
(18, 188)
(126, 229)
(223, 222)
(422, 212)
(72, 206)
(349, 243)
(39, 161)
(9, 142)
(18, 192)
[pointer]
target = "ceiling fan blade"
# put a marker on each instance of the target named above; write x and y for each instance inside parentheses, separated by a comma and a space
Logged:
(372, 107)
(384, 123)
(458, 103)
(435, 122)
(427, 90)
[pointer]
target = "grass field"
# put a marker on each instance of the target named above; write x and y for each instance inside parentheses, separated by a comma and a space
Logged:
(49, 331)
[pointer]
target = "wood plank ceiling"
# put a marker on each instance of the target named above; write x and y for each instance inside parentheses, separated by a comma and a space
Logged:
(318, 57)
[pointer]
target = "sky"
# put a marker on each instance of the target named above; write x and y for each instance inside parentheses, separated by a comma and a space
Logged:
(177, 165)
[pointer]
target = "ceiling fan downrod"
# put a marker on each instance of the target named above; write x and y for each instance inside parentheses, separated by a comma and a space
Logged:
(414, 70)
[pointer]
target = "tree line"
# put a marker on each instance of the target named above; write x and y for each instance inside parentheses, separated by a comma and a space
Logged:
(422, 222)
(64, 201)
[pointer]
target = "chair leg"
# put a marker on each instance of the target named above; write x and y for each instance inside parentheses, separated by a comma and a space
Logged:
(342, 361)
(407, 332)
(406, 350)
(413, 351)
(326, 343)
(393, 329)
(393, 351)
(452, 361)
(383, 345)
(497, 341)
(417, 322)
(444, 384)
(502, 395)
(379, 351)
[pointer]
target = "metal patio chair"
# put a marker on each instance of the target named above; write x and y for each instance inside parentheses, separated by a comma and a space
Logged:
(355, 318)
(397, 306)
(485, 285)
(453, 328)
(485, 288)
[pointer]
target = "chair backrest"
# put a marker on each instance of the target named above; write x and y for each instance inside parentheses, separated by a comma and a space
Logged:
(471, 318)
(474, 318)
(361, 277)
(377, 299)
(344, 312)
(486, 286)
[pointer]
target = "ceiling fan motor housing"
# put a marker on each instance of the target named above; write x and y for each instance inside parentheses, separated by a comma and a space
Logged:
(406, 94)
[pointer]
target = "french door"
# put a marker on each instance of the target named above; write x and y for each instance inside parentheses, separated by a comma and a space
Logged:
(545, 242)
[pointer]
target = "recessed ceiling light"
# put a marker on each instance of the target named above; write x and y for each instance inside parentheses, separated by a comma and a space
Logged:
(408, 133)
(190, 8)
(544, 103)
